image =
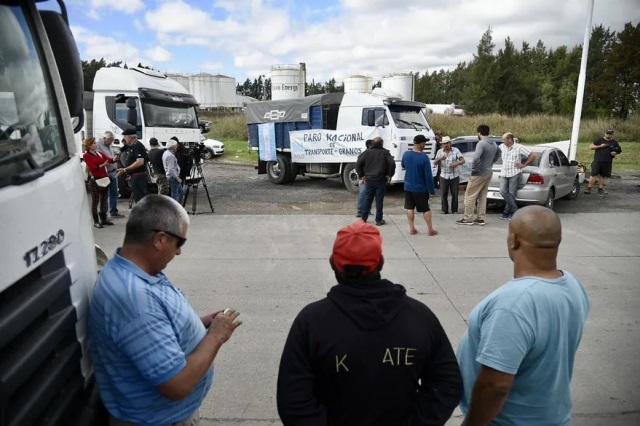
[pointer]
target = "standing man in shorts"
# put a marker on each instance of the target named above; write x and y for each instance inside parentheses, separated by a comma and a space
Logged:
(606, 149)
(418, 184)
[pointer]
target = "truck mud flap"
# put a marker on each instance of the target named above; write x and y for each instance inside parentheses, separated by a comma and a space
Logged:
(262, 167)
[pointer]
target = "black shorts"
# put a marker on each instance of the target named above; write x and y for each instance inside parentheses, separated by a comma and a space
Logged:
(416, 200)
(599, 168)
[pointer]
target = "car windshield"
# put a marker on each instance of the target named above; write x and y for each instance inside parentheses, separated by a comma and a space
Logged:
(408, 117)
(30, 127)
(157, 114)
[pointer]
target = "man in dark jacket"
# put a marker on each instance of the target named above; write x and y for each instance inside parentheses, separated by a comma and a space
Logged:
(367, 354)
(375, 167)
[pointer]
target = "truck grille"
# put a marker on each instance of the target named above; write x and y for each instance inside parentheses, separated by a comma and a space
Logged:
(40, 378)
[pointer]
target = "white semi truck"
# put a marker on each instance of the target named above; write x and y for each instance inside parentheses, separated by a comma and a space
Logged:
(47, 259)
(329, 130)
(141, 99)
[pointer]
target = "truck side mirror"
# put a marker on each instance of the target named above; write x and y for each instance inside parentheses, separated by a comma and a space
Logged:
(132, 114)
(371, 117)
(67, 58)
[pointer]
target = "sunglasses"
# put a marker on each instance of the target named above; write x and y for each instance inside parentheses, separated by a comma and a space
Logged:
(181, 240)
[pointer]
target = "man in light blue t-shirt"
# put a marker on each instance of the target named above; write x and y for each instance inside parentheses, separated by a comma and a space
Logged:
(517, 355)
(152, 354)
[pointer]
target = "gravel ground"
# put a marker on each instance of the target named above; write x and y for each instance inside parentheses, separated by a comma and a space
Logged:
(238, 189)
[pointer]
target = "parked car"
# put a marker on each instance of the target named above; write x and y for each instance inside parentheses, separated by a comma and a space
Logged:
(212, 148)
(549, 177)
(467, 146)
(205, 125)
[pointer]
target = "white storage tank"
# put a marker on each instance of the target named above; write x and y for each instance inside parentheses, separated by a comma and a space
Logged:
(401, 82)
(358, 83)
(288, 81)
(213, 90)
(180, 78)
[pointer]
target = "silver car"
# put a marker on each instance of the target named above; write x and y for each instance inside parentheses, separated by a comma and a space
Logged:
(549, 177)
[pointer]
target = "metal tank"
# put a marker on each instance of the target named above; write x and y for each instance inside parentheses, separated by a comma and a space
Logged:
(288, 81)
(358, 83)
(401, 82)
(180, 78)
(213, 90)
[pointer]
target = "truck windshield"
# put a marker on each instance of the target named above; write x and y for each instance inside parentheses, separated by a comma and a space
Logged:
(408, 117)
(30, 127)
(161, 114)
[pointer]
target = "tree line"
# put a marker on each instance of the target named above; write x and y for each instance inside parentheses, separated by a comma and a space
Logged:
(261, 89)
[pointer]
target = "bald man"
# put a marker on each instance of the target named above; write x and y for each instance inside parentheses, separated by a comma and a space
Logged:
(517, 355)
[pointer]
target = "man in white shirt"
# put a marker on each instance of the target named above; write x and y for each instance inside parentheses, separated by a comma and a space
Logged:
(512, 154)
(171, 168)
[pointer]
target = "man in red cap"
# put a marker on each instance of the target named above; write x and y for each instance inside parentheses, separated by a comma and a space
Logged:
(367, 354)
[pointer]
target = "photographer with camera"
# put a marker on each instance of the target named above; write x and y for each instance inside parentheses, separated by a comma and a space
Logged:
(173, 170)
(184, 159)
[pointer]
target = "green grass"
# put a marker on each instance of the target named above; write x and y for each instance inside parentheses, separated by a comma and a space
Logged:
(237, 150)
(531, 130)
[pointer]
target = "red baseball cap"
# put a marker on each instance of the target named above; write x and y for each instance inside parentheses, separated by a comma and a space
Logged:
(358, 244)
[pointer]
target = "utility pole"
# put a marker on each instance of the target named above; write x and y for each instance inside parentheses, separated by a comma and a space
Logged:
(577, 112)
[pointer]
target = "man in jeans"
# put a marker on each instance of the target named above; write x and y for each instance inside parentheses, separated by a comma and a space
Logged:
(375, 168)
(481, 171)
(512, 154)
(104, 146)
(363, 186)
(172, 170)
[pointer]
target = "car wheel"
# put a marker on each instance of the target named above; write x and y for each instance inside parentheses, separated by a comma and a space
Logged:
(207, 154)
(550, 203)
(279, 171)
(575, 190)
(350, 177)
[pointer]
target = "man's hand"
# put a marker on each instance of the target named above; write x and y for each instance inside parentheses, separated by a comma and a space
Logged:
(613, 153)
(520, 166)
(224, 324)
(179, 180)
(206, 319)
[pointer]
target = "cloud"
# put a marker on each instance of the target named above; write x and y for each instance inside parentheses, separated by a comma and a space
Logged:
(158, 54)
(341, 37)
(124, 6)
(211, 66)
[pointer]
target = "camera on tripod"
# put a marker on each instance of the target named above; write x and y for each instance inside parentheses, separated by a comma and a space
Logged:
(196, 151)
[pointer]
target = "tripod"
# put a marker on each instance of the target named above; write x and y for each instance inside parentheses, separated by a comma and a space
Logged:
(193, 180)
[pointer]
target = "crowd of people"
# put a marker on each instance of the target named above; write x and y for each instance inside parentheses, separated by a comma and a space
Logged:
(167, 168)
(367, 354)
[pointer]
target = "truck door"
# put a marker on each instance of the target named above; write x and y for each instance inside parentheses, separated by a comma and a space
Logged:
(377, 117)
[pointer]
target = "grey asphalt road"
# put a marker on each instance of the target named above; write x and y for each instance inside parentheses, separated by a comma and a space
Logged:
(238, 189)
(269, 266)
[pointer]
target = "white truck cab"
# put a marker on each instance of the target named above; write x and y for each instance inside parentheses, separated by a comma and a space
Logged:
(146, 100)
(380, 113)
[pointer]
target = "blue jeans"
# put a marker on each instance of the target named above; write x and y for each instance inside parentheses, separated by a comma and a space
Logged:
(177, 191)
(377, 189)
(508, 190)
(113, 193)
(361, 190)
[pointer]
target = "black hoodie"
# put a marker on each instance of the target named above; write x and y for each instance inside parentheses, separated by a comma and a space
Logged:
(367, 355)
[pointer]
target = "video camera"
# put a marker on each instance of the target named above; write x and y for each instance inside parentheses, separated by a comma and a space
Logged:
(195, 151)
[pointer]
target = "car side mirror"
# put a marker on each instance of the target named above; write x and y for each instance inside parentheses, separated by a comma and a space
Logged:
(573, 163)
(67, 58)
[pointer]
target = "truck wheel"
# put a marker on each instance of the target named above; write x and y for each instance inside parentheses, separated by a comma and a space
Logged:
(350, 177)
(279, 171)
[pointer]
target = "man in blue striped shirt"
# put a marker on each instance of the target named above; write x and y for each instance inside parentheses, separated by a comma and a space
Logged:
(152, 354)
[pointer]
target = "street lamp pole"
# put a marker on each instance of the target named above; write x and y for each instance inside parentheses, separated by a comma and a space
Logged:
(577, 113)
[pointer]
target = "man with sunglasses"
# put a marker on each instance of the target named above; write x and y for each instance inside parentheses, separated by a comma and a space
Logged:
(152, 354)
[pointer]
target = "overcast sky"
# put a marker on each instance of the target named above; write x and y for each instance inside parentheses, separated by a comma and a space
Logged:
(335, 38)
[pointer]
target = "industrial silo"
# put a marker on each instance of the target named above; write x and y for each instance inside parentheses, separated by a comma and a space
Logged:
(358, 83)
(401, 82)
(288, 81)
(180, 78)
(213, 90)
